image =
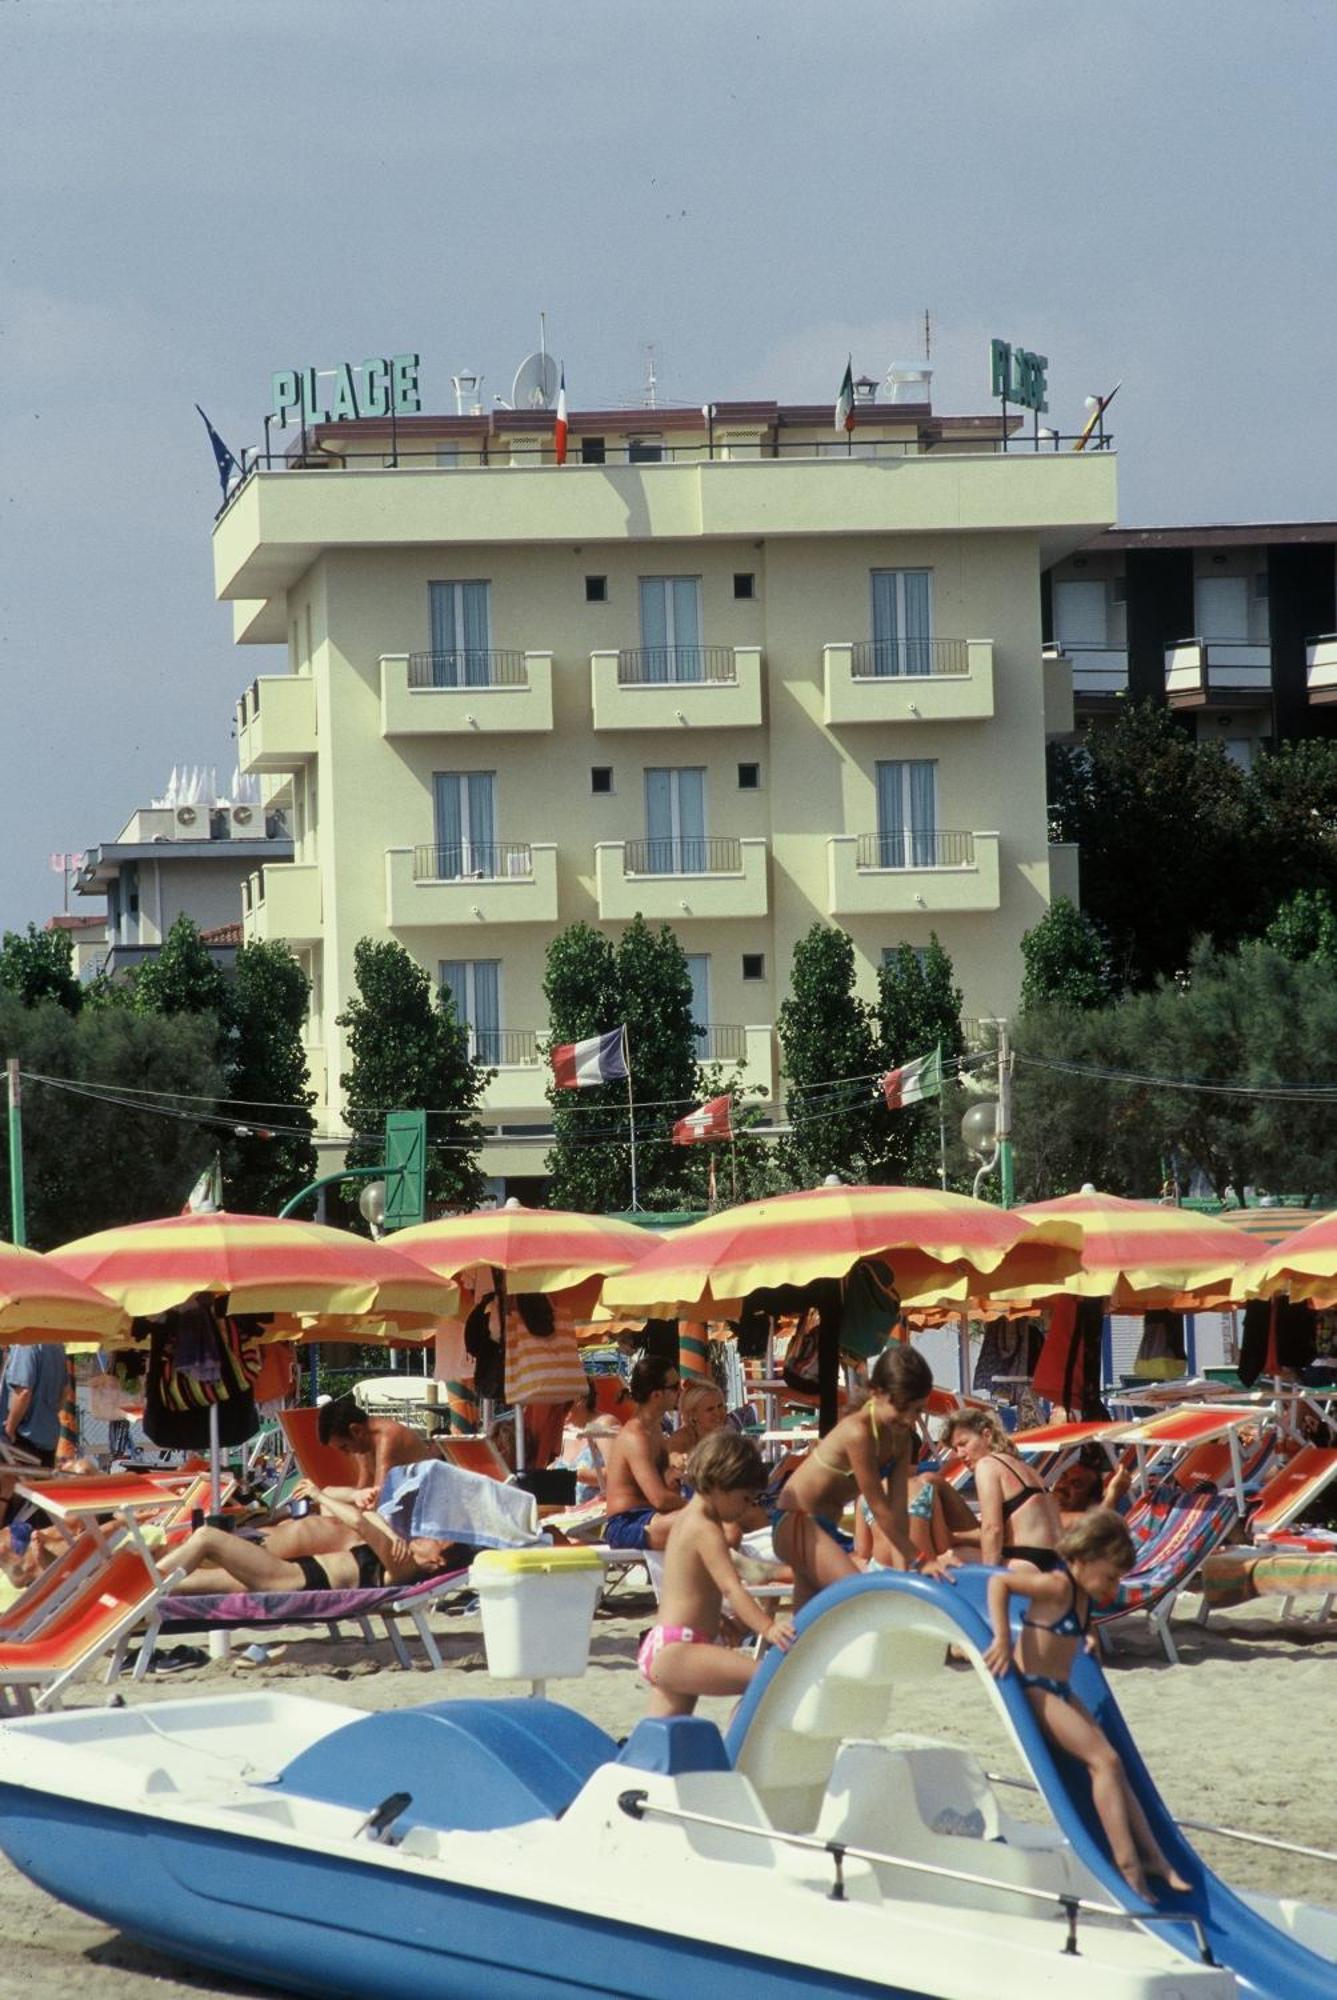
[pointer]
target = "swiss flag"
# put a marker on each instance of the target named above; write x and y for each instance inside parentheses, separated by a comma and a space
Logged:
(708, 1121)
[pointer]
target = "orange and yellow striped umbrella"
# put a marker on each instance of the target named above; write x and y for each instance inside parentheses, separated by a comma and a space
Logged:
(1304, 1264)
(1140, 1254)
(41, 1301)
(264, 1264)
(928, 1237)
(549, 1249)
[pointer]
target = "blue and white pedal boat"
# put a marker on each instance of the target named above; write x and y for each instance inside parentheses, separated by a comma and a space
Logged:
(507, 1850)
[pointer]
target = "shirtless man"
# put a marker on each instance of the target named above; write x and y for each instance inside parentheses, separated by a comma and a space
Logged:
(376, 1443)
(642, 1494)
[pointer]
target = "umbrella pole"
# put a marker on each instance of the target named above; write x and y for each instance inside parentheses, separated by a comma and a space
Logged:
(215, 1463)
(829, 1320)
(519, 1413)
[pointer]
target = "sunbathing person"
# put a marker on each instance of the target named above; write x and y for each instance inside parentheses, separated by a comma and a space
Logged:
(641, 1492)
(1019, 1516)
(681, 1656)
(217, 1562)
(376, 1443)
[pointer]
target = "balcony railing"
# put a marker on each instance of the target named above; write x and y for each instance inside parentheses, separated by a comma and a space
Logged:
(474, 861)
(473, 667)
(504, 1048)
(721, 1042)
(689, 854)
(676, 666)
(902, 848)
(1198, 670)
(900, 659)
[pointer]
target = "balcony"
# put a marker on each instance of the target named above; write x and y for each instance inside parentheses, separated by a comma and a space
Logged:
(1099, 673)
(692, 877)
(747, 1055)
(906, 875)
(677, 687)
(466, 694)
(1199, 672)
(521, 1079)
(1321, 669)
(504, 882)
(908, 680)
(282, 901)
(276, 723)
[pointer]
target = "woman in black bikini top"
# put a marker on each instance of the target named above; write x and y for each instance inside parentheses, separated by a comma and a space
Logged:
(980, 1439)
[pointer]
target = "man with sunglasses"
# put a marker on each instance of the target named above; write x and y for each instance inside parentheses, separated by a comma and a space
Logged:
(641, 1491)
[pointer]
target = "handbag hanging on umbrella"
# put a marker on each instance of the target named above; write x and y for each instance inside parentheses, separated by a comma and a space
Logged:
(199, 1360)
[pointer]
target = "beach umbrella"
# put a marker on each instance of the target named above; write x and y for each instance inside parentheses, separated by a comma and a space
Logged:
(1139, 1254)
(541, 1249)
(929, 1238)
(42, 1301)
(264, 1264)
(1303, 1264)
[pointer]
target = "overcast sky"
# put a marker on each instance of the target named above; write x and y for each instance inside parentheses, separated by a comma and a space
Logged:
(197, 192)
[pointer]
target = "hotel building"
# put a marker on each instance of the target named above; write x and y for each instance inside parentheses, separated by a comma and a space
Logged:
(726, 669)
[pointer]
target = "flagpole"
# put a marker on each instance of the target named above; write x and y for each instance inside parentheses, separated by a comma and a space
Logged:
(942, 1125)
(631, 1111)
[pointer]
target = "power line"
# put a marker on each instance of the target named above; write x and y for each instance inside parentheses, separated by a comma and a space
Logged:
(1287, 1093)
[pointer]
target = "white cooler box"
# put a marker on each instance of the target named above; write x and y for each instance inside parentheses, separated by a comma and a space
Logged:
(538, 1610)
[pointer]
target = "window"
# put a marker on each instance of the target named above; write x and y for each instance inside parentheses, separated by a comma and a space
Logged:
(1080, 619)
(596, 590)
(1261, 587)
(749, 777)
(644, 451)
(675, 821)
(592, 451)
(891, 952)
(474, 985)
(460, 633)
(754, 965)
(601, 778)
(907, 813)
(466, 826)
(902, 621)
(671, 628)
(698, 970)
(744, 583)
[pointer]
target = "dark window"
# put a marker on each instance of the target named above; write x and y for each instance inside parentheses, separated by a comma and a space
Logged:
(744, 583)
(644, 451)
(601, 778)
(596, 590)
(754, 965)
(592, 451)
(749, 777)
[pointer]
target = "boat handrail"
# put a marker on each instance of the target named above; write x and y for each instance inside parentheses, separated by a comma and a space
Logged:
(1200, 1826)
(637, 1805)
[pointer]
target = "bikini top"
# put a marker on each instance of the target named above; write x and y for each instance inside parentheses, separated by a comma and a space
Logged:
(1022, 1494)
(846, 1471)
(1069, 1625)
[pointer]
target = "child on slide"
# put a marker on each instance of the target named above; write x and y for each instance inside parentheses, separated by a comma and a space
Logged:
(1092, 1556)
(683, 1657)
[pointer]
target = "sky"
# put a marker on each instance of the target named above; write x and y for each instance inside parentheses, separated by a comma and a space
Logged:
(199, 192)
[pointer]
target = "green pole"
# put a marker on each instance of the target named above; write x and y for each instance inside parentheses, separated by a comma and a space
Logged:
(312, 1187)
(17, 1213)
(1007, 1192)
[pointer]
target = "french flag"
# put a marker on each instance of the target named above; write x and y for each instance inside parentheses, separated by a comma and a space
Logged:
(709, 1121)
(602, 1059)
(559, 428)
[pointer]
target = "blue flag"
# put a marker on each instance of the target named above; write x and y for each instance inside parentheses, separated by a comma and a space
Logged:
(227, 464)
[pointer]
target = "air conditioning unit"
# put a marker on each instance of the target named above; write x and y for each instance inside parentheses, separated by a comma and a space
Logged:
(185, 815)
(241, 815)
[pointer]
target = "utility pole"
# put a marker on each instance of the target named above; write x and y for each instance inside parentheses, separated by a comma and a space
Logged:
(1006, 1175)
(18, 1225)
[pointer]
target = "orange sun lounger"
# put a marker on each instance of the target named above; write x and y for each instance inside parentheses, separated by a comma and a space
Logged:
(95, 1620)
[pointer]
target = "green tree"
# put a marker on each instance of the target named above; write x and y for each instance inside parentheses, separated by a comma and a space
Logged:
(829, 1044)
(410, 1053)
(268, 1080)
(182, 977)
(919, 1010)
(39, 965)
(1066, 961)
(1305, 927)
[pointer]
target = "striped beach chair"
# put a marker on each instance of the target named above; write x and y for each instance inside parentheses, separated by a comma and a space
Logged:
(1177, 1532)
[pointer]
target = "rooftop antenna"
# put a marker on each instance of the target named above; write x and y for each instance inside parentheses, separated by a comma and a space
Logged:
(651, 380)
(928, 336)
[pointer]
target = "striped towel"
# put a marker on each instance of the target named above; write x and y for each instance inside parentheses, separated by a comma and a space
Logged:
(545, 1368)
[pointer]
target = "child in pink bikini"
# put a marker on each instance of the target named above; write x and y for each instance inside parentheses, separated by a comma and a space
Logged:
(682, 1656)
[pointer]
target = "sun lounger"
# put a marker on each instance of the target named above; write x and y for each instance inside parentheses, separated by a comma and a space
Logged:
(1290, 1491)
(1237, 1576)
(35, 1606)
(1178, 1533)
(257, 1610)
(322, 1464)
(474, 1454)
(95, 1620)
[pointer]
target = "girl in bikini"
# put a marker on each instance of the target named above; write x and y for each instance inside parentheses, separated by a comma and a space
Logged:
(1090, 1560)
(868, 1454)
(216, 1562)
(1019, 1517)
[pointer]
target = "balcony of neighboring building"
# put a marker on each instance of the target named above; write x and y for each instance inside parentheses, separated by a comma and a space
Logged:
(1200, 673)
(687, 876)
(907, 874)
(492, 692)
(282, 901)
(1321, 669)
(276, 723)
(1099, 676)
(746, 1055)
(677, 687)
(520, 1081)
(908, 680)
(471, 883)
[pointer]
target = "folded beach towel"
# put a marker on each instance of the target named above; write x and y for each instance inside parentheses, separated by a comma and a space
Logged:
(447, 1504)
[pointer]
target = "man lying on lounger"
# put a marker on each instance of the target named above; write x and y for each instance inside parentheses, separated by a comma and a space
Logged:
(217, 1562)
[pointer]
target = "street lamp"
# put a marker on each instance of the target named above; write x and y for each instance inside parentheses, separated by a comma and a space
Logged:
(371, 1204)
(979, 1136)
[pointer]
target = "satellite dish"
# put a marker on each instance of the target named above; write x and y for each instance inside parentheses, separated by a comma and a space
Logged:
(535, 384)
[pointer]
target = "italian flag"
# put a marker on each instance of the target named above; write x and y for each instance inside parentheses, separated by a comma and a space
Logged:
(708, 1121)
(845, 400)
(559, 428)
(913, 1082)
(206, 1197)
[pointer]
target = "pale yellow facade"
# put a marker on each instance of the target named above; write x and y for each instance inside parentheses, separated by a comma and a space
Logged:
(336, 564)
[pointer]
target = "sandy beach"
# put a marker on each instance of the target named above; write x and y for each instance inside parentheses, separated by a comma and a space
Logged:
(1234, 1735)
